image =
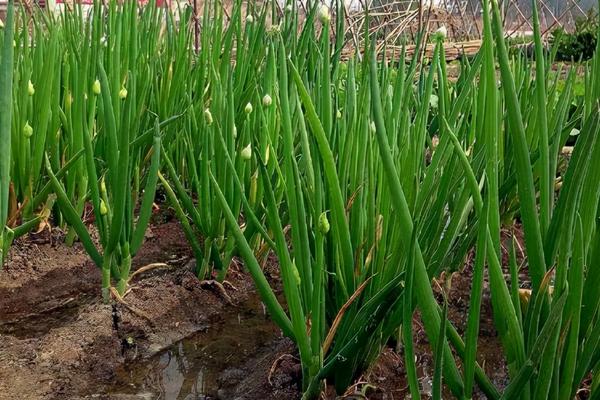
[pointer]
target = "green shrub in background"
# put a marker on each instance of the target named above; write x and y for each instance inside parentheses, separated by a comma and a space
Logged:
(579, 45)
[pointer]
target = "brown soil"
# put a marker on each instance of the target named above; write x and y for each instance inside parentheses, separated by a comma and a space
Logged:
(58, 341)
(175, 337)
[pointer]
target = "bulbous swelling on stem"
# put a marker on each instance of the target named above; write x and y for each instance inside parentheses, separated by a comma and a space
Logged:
(124, 269)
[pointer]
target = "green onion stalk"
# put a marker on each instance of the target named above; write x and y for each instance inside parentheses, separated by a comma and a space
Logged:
(344, 296)
(114, 133)
(36, 72)
(9, 226)
(6, 79)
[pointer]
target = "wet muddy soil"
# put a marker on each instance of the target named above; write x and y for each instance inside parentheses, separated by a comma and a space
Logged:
(173, 337)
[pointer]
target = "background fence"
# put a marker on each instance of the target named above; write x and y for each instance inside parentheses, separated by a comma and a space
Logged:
(463, 18)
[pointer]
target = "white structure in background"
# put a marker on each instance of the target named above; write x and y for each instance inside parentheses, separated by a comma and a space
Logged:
(357, 5)
(434, 3)
(3, 5)
(58, 6)
(352, 5)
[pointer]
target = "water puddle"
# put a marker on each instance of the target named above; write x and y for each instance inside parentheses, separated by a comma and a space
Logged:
(194, 367)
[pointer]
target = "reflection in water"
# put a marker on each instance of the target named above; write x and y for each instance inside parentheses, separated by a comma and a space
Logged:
(190, 369)
(180, 379)
(172, 376)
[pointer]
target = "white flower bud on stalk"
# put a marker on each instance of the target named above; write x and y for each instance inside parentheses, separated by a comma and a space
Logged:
(441, 33)
(27, 130)
(208, 117)
(324, 15)
(267, 101)
(96, 87)
(247, 153)
(324, 225)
